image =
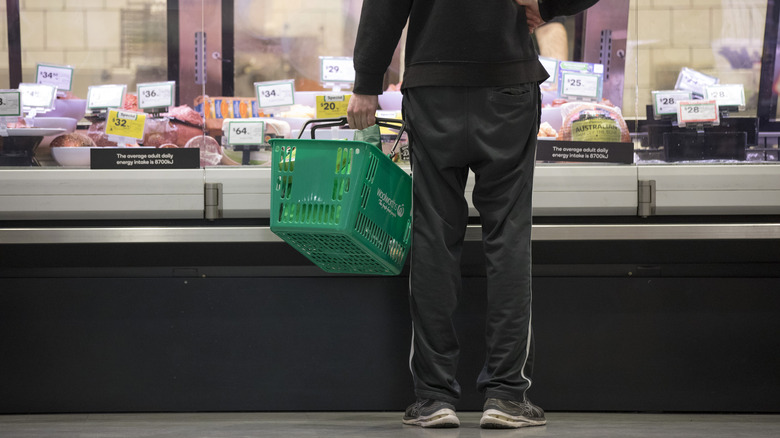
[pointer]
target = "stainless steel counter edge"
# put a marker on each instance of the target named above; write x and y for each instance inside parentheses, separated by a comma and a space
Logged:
(473, 233)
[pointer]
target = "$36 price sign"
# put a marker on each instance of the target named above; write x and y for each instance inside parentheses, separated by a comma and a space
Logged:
(128, 124)
(156, 95)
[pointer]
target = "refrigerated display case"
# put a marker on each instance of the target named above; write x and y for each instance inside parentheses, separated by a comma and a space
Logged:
(650, 257)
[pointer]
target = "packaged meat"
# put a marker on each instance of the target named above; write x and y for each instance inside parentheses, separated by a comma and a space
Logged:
(210, 150)
(592, 122)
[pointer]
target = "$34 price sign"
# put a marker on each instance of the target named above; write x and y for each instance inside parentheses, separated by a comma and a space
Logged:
(332, 106)
(128, 124)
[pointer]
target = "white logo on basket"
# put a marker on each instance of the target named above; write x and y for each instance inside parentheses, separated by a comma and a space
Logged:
(390, 205)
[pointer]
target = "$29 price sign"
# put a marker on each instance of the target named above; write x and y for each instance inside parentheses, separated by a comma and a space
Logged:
(245, 132)
(336, 70)
(128, 124)
(332, 106)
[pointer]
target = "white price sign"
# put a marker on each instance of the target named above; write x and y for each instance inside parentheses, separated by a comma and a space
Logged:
(726, 94)
(59, 76)
(275, 94)
(581, 85)
(551, 65)
(38, 96)
(698, 112)
(336, 70)
(10, 103)
(245, 132)
(156, 95)
(665, 102)
(105, 96)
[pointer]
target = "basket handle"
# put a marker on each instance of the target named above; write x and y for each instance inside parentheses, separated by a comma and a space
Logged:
(398, 124)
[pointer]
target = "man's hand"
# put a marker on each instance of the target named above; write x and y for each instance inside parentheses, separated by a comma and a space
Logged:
(361, 111)
(533, 18)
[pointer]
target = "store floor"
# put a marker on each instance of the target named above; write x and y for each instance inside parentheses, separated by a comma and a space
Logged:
(379, 425)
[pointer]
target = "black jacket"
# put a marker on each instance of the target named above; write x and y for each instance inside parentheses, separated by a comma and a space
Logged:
(452, 42)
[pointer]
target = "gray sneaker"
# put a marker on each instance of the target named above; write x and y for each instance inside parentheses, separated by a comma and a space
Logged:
(508, 414)
(431, 413)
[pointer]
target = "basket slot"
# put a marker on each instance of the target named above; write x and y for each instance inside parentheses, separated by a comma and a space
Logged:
(309, 213)
(372, 232)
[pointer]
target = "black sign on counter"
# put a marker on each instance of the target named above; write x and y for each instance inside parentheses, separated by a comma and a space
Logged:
(584, 152)
(145, 158)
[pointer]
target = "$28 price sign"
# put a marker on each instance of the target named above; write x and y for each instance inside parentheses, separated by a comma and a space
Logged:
(698, 112)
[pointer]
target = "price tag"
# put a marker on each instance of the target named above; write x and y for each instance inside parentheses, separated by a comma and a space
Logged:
(581, 85)
(698, 112)
(336, 70)
(332, 106)
(10, 103)
(275, 94)
(38, 96)
(105, 96)
(551, 65)
(128, 124)
(156, 95)
(245, 132)
(694, 81)
(665, 102)
(59, 76)
(726, 94)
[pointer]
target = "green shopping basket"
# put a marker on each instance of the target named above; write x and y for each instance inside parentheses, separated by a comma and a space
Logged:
(345, 205)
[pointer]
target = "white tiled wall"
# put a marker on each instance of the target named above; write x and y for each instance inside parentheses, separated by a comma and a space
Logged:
(666, 35)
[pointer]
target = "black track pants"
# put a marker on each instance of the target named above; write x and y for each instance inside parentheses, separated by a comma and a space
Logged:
(491, 131)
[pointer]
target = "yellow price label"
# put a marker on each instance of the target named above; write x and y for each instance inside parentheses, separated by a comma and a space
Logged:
(332, 106)
(126, 124)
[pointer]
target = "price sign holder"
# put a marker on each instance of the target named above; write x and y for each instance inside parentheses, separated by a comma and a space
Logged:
(125, 127)
(580, 80)
(279, 95)
(665, 103)
(245, 136)
(331, 106)
(37, 98)
(101, 98)
(698, 114)
(156, 97)
(61, 76)
(337, 72)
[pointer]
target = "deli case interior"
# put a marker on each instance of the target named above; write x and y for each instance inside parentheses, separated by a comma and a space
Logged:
(141, 284)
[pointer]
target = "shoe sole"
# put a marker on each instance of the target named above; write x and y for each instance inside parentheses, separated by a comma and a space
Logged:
(495, 419)
(443, 418)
